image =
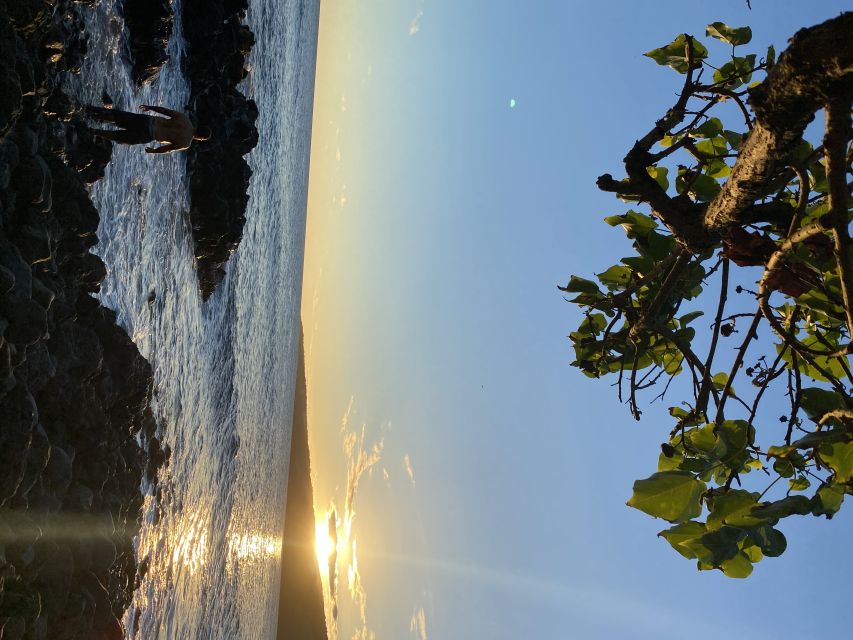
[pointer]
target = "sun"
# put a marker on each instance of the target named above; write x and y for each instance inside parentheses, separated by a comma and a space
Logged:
(324, 546)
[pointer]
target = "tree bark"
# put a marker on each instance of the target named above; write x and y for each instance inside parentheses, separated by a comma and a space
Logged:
(817, 67)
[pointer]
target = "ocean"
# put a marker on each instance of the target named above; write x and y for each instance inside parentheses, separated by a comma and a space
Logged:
(224, 369)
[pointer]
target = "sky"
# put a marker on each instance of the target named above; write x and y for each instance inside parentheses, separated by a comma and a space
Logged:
(478, 481)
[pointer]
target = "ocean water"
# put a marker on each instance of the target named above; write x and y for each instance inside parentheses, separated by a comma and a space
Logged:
(224, 369)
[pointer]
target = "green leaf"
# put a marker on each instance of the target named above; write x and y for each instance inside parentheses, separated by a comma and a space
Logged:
(711, 128)
(704, 439)
(616, 277)
(738, 567)
(816, 402)
(717, 546)
(659, 175)
(674, 54)
(671, 495)
(735, 73)
(752, 551)
(733, 437)
(828, 500)
(704, 188)
(635, 224)
(771, 541)
(682, 533)
(687, 318)
(792, 505)
(732, 35)
(799, 484)
(581, 285)
(734, 508)
(733, 138)
(770, 59)
(713, 147)
(783, 467)
(839, 458)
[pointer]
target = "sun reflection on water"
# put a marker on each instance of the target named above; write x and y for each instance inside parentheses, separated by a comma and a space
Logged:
(253, 547)
(190, 548)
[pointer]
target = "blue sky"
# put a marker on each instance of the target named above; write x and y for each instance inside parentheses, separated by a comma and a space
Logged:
(441, 221)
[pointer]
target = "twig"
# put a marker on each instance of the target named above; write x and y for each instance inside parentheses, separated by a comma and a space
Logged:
(840, 414)
(702, 400)
(735, 367)
(663, 293)
(796, 396)
(802, 197)
(770, 377)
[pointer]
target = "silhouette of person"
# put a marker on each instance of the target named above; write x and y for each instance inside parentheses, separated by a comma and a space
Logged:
(176, 132)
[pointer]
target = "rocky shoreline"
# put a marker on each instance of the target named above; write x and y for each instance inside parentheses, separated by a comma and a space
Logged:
(217, 45)
(77, 436)
(76, 430)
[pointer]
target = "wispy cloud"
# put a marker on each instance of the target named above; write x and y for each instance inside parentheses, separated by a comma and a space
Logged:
(407, 462)
(418, 624)
(415, 24)
(361, 457)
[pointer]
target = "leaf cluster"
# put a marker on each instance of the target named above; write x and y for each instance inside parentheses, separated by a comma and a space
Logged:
(786, 272)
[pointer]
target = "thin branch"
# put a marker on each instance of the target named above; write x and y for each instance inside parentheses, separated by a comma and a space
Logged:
(702, 400)
(802, 197)
(750, 334)
(770, 377)
(796, 396)
(840, 414)
(663, 294)
(728, 93)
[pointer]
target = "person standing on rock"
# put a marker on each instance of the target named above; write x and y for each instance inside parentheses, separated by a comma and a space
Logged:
(176, 131)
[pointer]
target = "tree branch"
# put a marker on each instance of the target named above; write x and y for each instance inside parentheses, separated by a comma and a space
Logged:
(835, 142)
(817, 64)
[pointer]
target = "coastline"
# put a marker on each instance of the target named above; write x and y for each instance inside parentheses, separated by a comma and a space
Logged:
(77, 436)
(300, 609)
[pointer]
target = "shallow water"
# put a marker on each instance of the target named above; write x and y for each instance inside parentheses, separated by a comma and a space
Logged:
(224, 369)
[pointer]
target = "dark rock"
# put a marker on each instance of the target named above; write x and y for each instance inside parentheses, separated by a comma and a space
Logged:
(34, 242)
(58, 470)
(27, 320)
(7, 280)
(13, 627)
(79, 497)
(37, 455)
(149, 27)
(219, 175)
(74, 391)
(41, 294)
(19, 420)
(32, 181)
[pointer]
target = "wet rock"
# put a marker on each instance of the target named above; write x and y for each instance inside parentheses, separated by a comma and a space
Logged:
(74, 391)
(41, 294)
(219, 174)
(58, 471)
(79, 498)
(7, 280)
(13, 627)
(34, 242)
(149, 27)
(27, 319)
(33, 183)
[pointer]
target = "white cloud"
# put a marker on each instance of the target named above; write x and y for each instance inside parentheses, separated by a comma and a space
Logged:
(415, 24)
(407, 462)
(418, 624)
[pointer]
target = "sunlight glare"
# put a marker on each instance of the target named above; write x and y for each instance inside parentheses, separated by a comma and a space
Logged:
(323, 544)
